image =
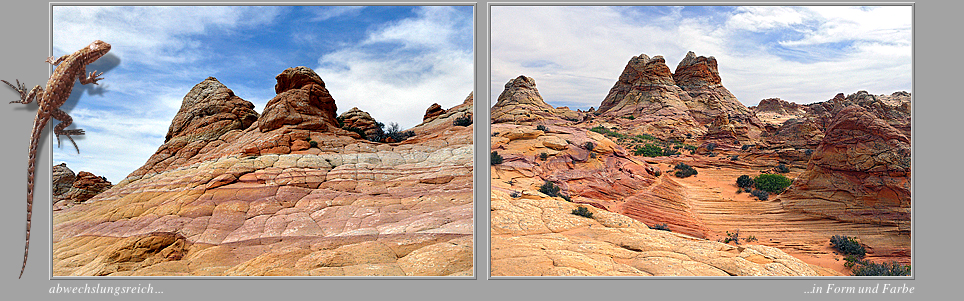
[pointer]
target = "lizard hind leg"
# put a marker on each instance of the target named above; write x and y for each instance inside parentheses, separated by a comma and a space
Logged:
(25, 96)
(65, 121)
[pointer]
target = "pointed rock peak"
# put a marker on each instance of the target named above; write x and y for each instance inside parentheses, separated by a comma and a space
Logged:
(470, 98)
(296, 78)
(521, 91)
(697, 71)
(209, 110)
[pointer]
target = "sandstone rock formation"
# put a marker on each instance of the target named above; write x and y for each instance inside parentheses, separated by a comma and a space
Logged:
(69, 189)
(860, 174)
(62, 179)
(360, 120)
(533, 235)
(672, 105)
(520, 102)
(255, 201)
(433, 111)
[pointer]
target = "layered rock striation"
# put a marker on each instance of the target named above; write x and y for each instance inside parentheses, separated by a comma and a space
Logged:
(70, 188)
(283, 193)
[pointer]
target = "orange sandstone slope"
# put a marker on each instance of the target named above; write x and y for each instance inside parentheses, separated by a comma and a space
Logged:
(286, 192)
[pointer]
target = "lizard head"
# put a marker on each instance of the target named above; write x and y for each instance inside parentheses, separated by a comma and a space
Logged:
(96, 50)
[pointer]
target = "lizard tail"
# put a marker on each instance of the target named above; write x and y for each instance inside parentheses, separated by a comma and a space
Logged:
(38, 128)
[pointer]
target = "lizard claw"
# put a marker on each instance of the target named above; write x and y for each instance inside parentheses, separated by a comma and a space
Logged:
(69, 133)
(51, 60)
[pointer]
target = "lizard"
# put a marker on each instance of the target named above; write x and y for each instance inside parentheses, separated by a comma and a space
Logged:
(70, 67)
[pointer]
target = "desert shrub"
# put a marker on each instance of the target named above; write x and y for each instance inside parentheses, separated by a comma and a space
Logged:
(592, 155)
(549, 189)
(645, 137)
(589, 146)
(358, 131)
(464, 120)
(495, 158)
(859, 267)
(582, 211)
(341, 121)
(313, 143)
(751, 238)
(392, 131)
(711, 154)
(515, 194)
(661, 227)
(745, 147)
(543, 156)
(808, 152)
(782, 168)
(710, 146)
(603, 130)
(565, 197)
(733, 237)
(542, 128)
(847, 245)
(657, 173)
(760, 194)
(735, 158)
(649, 150)
(744, 181)
(771, 183)
(683, 170)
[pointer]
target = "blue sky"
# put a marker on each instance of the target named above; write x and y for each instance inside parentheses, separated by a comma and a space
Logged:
(800, 54)
(391, 61)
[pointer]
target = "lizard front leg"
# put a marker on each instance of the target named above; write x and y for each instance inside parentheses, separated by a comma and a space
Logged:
(65, 121)
(91, 78)
(25, 96)
(55, 62)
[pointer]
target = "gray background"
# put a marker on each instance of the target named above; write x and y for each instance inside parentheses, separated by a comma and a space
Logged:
(25, 45)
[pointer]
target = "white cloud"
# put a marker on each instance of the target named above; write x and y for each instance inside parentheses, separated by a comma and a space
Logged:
(583, 49)
(152, 35)
(330, 12)
(400, 69)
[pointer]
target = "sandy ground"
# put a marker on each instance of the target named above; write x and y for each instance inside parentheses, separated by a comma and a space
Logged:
(715, 201)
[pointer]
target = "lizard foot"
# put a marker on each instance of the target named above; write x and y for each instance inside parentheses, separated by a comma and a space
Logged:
(20, 88)
(92, 78)
(68, 133)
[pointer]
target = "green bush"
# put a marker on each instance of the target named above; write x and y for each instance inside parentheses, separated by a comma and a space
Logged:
(847, 245)
(732, 237)
(515, 194)
(649, 150)
(683, 170)
(313, 143)
(543, 156)
(495, 158)
(771, 183)
(782, 168)
(744, 181)
(589, 146)
(582, 211)
(549, 189)
(542, 128)
(603, 130)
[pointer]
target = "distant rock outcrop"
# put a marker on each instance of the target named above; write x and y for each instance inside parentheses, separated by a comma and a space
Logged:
(677, 104)
(433, 111)
(361, 121)
(69, 189)
(520, 102)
